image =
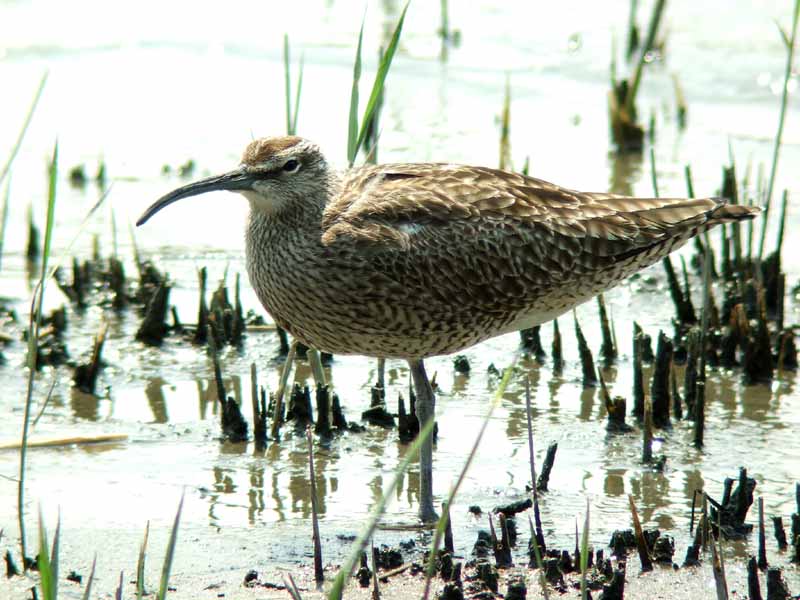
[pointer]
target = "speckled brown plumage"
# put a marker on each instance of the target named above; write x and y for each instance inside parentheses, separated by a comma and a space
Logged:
(415, 260)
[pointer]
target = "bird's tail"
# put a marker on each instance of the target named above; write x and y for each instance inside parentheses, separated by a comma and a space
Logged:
(729, 213)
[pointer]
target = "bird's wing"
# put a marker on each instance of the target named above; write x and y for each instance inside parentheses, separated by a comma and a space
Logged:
(394, 205)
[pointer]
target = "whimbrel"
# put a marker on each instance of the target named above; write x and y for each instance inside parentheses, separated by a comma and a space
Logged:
(416, 260)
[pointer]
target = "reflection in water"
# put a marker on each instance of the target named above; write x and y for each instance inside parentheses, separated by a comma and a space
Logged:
(273, 457)
(614, 483)
(650, 489)
(84, 406)
(587, 403)
(154, 390)
(255, 494)
(626, 170)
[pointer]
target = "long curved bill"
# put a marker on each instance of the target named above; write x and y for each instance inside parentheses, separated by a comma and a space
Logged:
(235, 181)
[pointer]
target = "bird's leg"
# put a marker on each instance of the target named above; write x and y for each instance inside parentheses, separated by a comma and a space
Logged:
(426, 404)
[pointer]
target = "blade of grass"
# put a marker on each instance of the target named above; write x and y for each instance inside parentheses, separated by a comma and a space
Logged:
(21, 136)
(539, 564)
(337, 589)
(170, 555)
(118, 593)
(287, 81)
(46, 400)
(33, 336)
(4, 219)
(442, 524)
(140, 591)
(46, 581)
(633, 88)
(585, 554)
(88, 591)
(790, 44)
(291, 108)
(291, 586)
(352, 125)
(297, 93)
(54, 555)
(380, 80)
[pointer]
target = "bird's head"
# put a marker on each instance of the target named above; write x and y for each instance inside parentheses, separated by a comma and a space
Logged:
(275, 173)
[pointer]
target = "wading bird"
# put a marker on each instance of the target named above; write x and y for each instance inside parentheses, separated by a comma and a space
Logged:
(415, 260)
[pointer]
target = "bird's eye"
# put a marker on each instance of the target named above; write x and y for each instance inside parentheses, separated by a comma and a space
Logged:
(291, 165)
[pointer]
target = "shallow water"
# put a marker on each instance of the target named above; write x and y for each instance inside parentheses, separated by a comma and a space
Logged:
(158, 85)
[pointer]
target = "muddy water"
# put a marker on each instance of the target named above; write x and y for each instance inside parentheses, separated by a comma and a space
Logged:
(155, 86)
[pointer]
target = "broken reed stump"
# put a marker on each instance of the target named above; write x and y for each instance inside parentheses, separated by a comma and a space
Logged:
(227, 319)
(777, 589)
(547, 467)
(319, 576)
(500, 547)
(259, 411)
(677, 404)
(641, 543)
(659, 384)
(154, 327)
(85, 377)
(531, 342)
(117, 283)
(729, 515)
(79, 287)
(587, 362)
(377, 414)
(299, 408)
(201, 331)
(762, 536)
(690, 372)
(780, 533)
(608, 349)
(234, 426)
(323, 401)
(461, 364)
(558, 356)
(647, 432)
(753, 585)
(684, 310)
(638, 375)
(615, 407)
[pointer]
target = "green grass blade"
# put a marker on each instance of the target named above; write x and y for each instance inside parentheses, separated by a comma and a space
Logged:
(45, 571)
(442, 524)
(585, 554)
(539, 563)
(118, 593)
(168, 558)
(54, 556)
(21, 136)
(140, 591)
(633, 88)
(4, 219)
(790, 45)
(380, 80)
(361, 542)
(297, 93)
(88, 591)
(33, 336)
(287, 85)
(352, 125)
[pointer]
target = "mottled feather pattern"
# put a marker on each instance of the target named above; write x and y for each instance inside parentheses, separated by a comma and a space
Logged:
(415, 260)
